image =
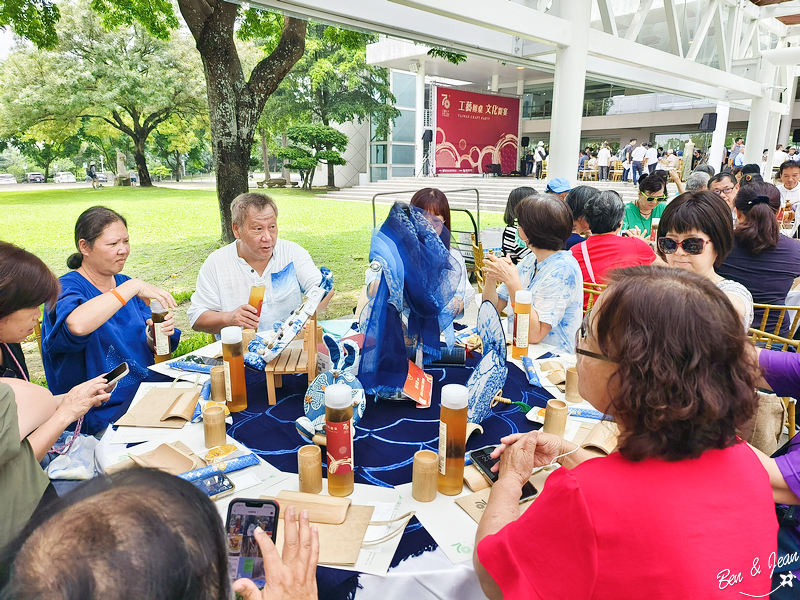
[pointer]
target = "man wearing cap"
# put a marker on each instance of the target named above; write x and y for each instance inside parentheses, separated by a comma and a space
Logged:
(91, 173)
(558, 186)
(539, 156)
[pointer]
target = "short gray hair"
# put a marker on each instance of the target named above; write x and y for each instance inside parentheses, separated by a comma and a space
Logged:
(243, 202)
(604, 212)
(698, 180)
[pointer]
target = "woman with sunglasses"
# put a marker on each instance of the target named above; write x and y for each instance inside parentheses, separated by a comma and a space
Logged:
(639, 214)
(31, 418)
(695, 234)
(683, 505)
(762, 260)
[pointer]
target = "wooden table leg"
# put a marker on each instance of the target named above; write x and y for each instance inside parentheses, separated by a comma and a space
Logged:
(271, 389)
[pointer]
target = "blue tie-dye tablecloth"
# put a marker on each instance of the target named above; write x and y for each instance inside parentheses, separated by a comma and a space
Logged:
(386, 439)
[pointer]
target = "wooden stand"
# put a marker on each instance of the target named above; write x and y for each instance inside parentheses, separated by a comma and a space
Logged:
(294, 360)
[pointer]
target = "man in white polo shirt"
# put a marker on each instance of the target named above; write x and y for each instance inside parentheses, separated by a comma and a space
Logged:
(257, 257)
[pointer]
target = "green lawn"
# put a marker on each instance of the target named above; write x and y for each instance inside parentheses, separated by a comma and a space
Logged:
(172, 231)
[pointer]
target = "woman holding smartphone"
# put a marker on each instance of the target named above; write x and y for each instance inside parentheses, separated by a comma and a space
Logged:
(31, 418)
(102, 318)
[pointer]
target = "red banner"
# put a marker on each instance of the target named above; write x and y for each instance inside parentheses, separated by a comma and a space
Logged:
(473, 130)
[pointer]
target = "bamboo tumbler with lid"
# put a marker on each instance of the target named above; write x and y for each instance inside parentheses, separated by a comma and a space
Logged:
(425, 477)
(309, 468)
(555, 417)
(214, 426)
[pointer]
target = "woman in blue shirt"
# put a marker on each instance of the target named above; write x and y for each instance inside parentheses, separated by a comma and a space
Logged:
(102, 317)
(550, 272)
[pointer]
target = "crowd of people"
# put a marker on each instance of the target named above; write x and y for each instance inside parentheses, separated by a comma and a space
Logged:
(663, 351)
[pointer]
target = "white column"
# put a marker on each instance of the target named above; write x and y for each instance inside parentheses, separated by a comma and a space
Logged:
(495, 82)
(771, 142)
(759, 115)
(520, 87)
(718, 137)
(568, 89)
(785, 134)
(419, 123)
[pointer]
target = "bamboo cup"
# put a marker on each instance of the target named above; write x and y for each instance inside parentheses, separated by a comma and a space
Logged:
(214, 426)
(555, 417)
(425, 477)
(309, 468)
(247, 336)
(572, 393)
(218, 384)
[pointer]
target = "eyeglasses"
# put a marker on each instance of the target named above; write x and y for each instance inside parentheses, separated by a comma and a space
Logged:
(690, 245)
(580, 334)
(653, 198)
(726, 191)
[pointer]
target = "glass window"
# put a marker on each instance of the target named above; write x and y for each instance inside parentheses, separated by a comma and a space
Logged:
(404, 86)
(377, 154)
(402, 154)
(373, 135)
(402, 171)
(378, 173)
(403, 130)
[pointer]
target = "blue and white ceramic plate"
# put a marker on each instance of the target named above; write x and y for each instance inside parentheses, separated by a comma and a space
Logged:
(490, 330)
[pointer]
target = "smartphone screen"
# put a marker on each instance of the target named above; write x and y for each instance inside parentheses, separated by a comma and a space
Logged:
(215, 486)
(244, 555)
(115, 374)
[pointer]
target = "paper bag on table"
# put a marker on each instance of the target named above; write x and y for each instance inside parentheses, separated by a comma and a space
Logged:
(338, 544)
(174, 458)
(162, 407)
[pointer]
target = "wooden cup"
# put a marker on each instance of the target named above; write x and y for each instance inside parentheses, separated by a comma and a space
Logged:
(247, 336)
(214, 426)
(425, 477)
(309, 468)
(555, 417)
(218, 384)
(572, 393)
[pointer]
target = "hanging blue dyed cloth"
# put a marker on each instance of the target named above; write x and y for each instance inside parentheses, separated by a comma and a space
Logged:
(419, 275)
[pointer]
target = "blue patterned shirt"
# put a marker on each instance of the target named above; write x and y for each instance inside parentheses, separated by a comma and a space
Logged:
(557, 288)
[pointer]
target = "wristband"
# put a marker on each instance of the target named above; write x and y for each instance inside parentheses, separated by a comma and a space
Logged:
(119, 296)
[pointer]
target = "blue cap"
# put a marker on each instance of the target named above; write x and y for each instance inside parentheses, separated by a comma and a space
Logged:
(559, 185)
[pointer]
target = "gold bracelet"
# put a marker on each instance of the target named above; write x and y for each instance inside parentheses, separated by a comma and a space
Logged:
(119, 296)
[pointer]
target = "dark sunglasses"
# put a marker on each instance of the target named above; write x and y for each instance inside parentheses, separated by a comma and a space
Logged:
(581, 334)
(689, 245)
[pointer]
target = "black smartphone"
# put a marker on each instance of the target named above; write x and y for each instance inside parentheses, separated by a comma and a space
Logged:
(483, 461)
(115, 374)
(244, 555)
(215, 486)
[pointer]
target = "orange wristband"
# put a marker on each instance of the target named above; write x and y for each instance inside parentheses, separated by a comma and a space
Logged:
(119, 296)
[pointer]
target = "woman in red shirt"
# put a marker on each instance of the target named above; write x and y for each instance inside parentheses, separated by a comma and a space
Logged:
(605, 249)
(684, 508)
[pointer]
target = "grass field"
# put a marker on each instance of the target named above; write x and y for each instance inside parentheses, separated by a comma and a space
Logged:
(173, 230)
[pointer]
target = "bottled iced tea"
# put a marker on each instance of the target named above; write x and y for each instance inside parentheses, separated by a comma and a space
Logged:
(160, 339)
(452, 439)
(339, 432)
(522, 323)
(233, 357)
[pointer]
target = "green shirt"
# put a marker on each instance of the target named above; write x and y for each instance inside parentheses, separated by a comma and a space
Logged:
(22, 480)
(633, 218)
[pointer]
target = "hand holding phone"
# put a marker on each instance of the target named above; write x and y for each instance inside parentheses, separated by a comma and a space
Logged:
(245, 517)
(291, 576)
(483, 461)
(114, 375)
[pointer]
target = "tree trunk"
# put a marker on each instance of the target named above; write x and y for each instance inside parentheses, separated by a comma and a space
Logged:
(236, 104)
(177, 171)
(141, 162)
